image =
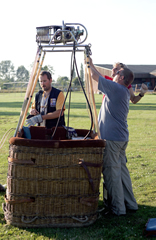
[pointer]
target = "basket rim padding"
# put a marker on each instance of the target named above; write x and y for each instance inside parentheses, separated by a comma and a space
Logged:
(64, 143)
(57, 143)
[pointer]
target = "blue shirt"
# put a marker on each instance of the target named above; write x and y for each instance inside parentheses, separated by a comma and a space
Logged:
(114, 110)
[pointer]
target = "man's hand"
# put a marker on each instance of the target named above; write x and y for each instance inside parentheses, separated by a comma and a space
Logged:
(143, 89)
(34, 112)
(32, 121)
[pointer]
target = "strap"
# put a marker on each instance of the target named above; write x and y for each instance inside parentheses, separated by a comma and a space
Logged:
(84, 165)
(24, 200)
(21, 161)
(92, 164)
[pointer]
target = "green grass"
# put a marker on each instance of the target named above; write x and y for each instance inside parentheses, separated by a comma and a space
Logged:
(141, 164)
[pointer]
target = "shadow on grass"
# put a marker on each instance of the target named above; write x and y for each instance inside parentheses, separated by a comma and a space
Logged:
(81, 105)
(142, 106)
(72, 106)
(19, 105)
(11, 104)
(107, 226)
(9, 114)
(18, 114)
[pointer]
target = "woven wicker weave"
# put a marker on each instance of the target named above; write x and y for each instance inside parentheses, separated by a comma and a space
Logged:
(53, 187)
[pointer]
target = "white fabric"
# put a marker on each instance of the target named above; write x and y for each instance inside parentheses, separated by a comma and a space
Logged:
(43, 107)
(143, 89)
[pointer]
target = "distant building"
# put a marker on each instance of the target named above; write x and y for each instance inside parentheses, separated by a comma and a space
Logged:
(142, 74)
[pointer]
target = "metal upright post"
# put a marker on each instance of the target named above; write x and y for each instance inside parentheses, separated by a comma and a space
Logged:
(88, 52)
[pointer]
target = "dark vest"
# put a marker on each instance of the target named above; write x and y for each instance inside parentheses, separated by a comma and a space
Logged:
(51, 107)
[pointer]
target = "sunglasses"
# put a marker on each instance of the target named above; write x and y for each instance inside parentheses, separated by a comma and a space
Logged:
(118, 72)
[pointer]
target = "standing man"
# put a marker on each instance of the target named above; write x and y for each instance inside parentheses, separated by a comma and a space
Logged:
(46, 108)
(113, 127)
(134, 98)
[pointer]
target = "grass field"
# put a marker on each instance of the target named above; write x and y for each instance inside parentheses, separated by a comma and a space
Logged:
(141, 164)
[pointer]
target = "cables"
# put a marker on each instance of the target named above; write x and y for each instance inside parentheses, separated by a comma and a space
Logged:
(69, 88)
(5, 137)
(73, 63)
(85, 97)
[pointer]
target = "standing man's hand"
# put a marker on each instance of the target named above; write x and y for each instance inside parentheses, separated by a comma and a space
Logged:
(143, 89)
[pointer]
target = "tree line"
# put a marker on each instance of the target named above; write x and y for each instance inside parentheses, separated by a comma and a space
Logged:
(8, 74)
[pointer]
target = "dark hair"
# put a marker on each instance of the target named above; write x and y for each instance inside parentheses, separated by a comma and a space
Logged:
(128, 76)
(48, 74)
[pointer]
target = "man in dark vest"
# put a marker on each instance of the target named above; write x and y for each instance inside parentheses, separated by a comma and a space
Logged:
(47, 105)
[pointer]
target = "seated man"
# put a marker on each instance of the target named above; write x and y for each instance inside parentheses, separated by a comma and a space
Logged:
(47, 105)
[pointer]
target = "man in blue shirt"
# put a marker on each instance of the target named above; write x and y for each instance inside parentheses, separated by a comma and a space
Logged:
(113, 127)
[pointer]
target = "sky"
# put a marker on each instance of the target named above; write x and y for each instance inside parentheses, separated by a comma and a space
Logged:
(118, 31)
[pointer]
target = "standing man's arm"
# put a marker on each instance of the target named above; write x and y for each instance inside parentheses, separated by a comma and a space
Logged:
(134, 99)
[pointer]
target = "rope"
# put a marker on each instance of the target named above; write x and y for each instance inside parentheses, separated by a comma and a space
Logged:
(28, 221)
(73, 63)
(68, 90)
(5, 137)
(82, 220)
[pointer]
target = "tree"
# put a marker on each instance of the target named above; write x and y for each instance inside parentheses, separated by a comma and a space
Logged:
(74, 73)
(82, 74)
(22, 74)
(48, 68)
(76, 82)
(7, 72)
(63, 81)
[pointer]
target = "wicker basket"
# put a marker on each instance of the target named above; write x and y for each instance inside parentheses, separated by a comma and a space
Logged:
(53, 183)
